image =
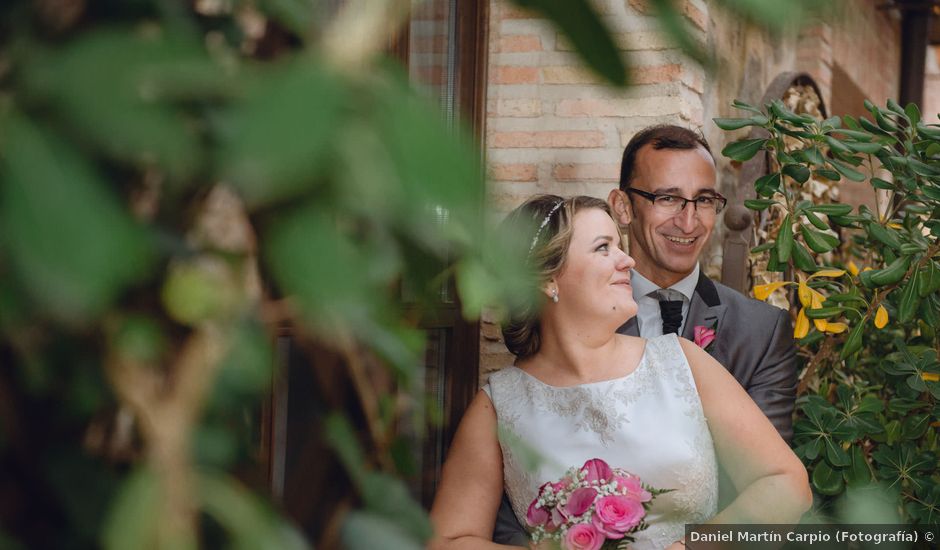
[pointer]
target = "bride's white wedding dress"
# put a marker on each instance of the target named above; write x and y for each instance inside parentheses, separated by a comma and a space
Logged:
(649, 422)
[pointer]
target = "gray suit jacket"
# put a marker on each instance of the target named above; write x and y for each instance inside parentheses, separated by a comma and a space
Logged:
(753, 340)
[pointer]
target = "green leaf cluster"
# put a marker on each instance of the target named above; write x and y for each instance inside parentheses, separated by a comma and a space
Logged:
(870, 413)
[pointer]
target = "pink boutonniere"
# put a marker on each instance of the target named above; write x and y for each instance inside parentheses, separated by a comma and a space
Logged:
(705, 337)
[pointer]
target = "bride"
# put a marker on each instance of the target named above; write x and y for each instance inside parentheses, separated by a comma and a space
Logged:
(662, 409)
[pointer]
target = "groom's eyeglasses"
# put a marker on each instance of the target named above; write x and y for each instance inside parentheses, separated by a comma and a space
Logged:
(673, 204)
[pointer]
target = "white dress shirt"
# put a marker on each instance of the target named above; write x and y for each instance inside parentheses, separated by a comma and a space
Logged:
(646, 293)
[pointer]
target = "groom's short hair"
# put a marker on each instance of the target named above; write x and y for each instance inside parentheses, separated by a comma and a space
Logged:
(663, 136)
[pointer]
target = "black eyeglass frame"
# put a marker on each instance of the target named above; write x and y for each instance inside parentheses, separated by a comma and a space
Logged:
(722, 201)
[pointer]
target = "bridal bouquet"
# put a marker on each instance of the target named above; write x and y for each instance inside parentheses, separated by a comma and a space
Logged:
(591, 506)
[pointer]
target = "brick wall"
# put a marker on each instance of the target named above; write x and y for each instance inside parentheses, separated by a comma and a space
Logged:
(551, 125)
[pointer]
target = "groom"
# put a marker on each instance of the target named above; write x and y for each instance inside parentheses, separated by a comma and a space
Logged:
(669, 202)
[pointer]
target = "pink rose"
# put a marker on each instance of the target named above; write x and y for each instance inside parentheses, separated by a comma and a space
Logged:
(583, 537)
(633, 488)
(616, 515)
(597, 470)
(704, 336)
(536, 515)
(580, 501)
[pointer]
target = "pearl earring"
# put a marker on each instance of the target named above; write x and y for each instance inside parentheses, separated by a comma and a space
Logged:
(555, 295)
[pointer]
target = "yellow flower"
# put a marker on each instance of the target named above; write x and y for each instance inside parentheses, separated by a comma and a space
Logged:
(894, 225)
(853, 269)
(762, 292)
(802, 324)
(930, 377)
(836, 328)
(881, 317)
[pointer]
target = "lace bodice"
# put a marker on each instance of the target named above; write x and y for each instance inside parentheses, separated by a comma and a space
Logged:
(649, 422)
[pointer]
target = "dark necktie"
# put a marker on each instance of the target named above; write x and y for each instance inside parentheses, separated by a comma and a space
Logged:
(671, 311)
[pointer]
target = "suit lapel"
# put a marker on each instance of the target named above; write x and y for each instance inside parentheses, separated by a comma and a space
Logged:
(705, 309)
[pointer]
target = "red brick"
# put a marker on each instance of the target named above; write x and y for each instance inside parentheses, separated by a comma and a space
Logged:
(428, 44)
(509, 11)
(586, 172)
(695, 15)
(641, 6)
(590, 107)
(431, 75)
(656, 75)
(514, 75)
(519, 43)
(568, 75)
(557, 139)
(514, 172)
(518, 107)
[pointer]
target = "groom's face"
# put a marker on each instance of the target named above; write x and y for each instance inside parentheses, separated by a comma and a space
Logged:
(667, 245)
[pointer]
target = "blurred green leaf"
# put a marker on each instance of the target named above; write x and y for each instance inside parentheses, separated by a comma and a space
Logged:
(436, 168)
(111, 84)
(214, 446)
(246, 370)
(296, 15)
(133, 516)
(343, 439)
(74, 246)
(587, 33)
(248, 522)
(139, 339)
(315, 261)
(675, 26)
(389, 497)
(365, 531)
(275, 141)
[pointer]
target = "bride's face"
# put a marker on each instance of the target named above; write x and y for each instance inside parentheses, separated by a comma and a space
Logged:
(595, 279)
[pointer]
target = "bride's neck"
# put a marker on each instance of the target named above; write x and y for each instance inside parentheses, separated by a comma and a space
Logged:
(577, 353)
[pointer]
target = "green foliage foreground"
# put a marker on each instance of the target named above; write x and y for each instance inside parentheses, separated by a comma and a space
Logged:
(868, 288)
(167, 175)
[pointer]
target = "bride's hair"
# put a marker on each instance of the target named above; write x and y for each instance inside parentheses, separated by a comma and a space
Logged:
(547, 218)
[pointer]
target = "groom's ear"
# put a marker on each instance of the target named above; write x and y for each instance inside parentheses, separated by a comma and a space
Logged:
(620, 204)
